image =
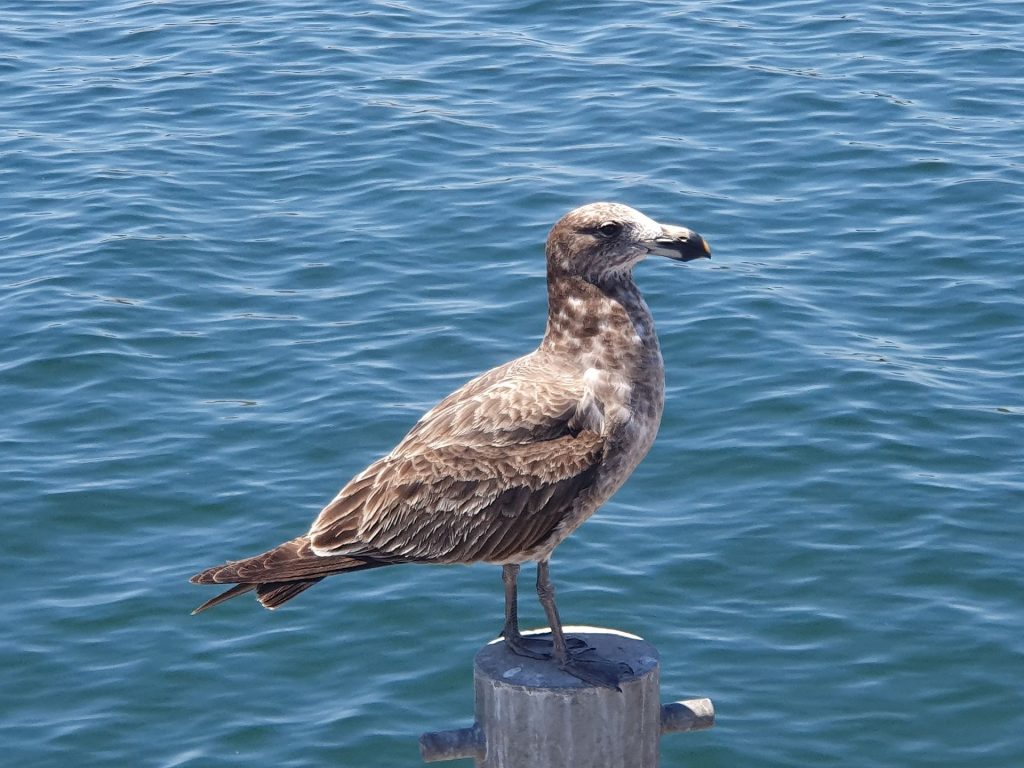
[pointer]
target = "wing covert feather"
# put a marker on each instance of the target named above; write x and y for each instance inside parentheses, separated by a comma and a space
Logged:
(485, 475)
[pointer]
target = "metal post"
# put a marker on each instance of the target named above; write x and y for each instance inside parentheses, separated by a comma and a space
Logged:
(531, 714)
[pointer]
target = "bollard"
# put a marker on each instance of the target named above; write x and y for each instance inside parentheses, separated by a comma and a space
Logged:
(529, 713)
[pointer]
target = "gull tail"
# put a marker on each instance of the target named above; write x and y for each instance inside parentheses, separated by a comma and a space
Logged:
(279, 574)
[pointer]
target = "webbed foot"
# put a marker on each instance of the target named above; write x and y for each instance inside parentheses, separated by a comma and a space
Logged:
(540, 646)
(593, 669)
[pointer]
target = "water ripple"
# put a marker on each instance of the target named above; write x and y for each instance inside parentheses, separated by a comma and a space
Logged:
(245, 247)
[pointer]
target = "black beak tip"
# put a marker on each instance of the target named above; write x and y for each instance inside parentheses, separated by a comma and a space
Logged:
(695, 247)
(702, 245)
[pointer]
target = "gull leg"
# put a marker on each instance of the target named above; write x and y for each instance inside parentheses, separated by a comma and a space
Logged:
(584, 664)
(531, 647)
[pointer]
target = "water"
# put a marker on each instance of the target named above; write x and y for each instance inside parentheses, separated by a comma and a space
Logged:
(245, 246)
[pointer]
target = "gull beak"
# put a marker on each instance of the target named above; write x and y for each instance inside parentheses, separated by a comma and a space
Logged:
(679, 243)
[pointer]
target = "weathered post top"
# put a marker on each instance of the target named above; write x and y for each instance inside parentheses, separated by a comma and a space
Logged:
(531, 713)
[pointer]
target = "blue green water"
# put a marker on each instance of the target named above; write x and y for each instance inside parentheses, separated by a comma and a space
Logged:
(243, 246)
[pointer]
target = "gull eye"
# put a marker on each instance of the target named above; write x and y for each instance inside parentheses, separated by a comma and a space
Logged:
(609, 229)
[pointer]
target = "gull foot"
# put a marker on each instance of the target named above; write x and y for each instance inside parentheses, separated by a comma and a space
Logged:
(540, 646)
(531, 647)
(591, 668)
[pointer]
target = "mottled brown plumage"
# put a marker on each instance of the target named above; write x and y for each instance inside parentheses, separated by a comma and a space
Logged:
(507, 466)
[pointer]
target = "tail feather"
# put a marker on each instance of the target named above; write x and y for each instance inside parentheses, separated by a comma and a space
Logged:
(279, 574)
(235, 591)
(275, 593)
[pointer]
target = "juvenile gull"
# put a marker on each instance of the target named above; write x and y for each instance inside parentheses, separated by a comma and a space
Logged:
(506, 467)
